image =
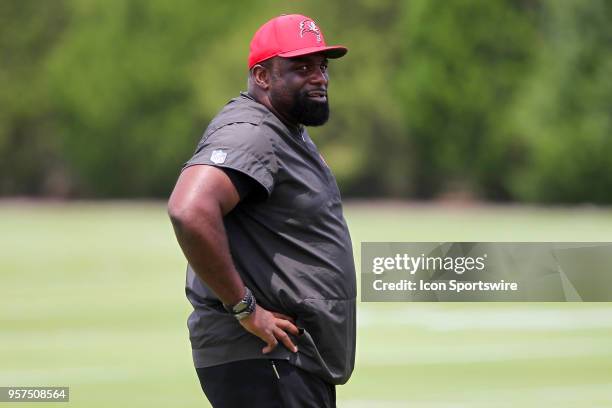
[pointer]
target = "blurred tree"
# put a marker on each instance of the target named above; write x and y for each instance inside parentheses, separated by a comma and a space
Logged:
(463, 62)
(122, 88)
(564, 115)
(505, 99)
(30, 158)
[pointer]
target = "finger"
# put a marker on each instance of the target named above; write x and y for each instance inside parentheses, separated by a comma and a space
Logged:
(285, 339)
(283, 316)
(272, 343)
(288, 326)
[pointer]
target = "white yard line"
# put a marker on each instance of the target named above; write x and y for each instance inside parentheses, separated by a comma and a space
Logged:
(435, 319)
(564, 396)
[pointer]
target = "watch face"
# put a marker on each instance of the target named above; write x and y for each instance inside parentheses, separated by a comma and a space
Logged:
(240, 307)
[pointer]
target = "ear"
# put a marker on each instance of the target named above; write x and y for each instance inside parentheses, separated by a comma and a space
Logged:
(261, 76)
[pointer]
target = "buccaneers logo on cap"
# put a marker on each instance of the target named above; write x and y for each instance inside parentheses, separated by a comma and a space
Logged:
(309, 26)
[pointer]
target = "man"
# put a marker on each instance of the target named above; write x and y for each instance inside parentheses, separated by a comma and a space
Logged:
(258, 215)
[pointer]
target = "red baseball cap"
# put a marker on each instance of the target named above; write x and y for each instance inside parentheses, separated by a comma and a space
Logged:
(290, 35)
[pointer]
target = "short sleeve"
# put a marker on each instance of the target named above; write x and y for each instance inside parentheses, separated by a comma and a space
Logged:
(242, 147)
(244, 184)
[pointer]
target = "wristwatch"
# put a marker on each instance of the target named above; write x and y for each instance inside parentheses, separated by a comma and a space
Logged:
(243, 308)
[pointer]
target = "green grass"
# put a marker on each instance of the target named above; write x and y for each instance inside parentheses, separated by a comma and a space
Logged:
(91, 297)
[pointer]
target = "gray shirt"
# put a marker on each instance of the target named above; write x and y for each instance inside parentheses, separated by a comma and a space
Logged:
(290, 244)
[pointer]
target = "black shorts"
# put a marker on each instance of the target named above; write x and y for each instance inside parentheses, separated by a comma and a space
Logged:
(264, 383)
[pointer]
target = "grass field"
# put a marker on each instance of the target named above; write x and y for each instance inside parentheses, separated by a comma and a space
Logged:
(92, 298)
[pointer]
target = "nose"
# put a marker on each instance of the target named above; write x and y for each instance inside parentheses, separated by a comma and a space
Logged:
(320, 76)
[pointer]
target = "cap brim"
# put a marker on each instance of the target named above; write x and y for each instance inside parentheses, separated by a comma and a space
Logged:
(335, 51)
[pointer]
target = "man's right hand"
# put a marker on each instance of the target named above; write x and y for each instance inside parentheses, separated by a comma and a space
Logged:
(271, 327)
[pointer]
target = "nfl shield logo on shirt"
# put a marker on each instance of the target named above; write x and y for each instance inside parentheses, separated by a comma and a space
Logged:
(218, 156)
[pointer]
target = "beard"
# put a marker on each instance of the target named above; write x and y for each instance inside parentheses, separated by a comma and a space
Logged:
(309, 112)
(300, 108)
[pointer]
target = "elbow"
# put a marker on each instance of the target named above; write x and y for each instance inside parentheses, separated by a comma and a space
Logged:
(180, 213)
(185, 214)
(178, 210)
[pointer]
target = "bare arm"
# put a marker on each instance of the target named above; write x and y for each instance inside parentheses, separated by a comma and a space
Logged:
(202, 196)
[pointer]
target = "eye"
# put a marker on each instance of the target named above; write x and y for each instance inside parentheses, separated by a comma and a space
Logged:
(324, 67)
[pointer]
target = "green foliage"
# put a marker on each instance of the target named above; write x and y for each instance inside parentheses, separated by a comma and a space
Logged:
(28, 150)
(463, 62)
(122, 87)
(504, 99)
(565, 115)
